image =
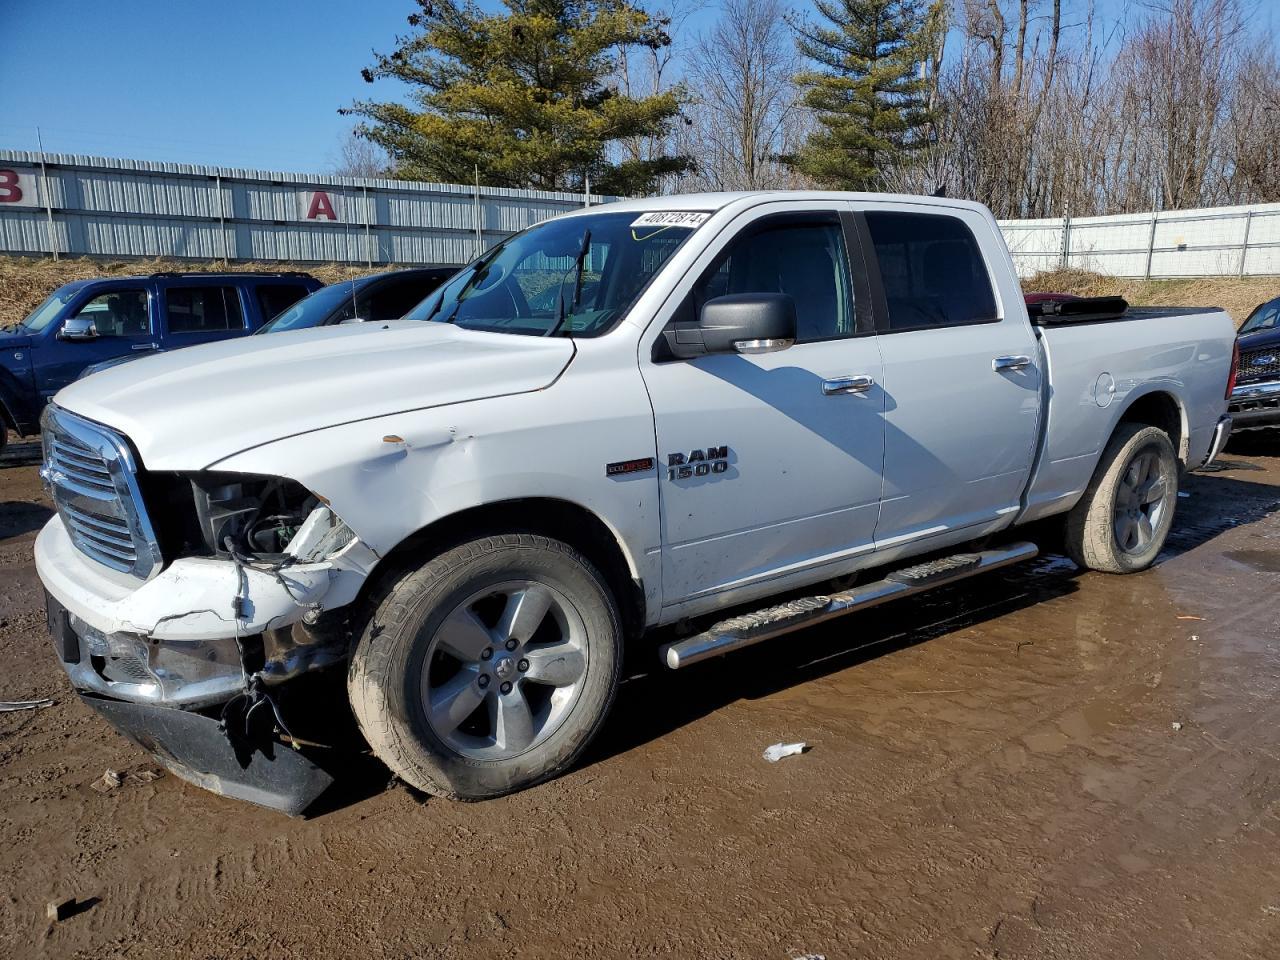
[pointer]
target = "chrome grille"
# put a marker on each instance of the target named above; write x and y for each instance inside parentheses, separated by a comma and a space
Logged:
(1259, 363)
(91, 477)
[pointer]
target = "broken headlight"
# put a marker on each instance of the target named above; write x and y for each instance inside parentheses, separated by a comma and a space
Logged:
(267, 518)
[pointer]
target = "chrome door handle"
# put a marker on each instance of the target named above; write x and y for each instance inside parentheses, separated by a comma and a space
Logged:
(146, 346)
(1010, 363)
(838, 385)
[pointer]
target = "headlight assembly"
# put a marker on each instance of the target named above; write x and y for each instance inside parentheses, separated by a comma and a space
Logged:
(266, 518)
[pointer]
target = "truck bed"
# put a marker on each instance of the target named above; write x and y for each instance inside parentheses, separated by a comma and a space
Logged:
(1098, 368)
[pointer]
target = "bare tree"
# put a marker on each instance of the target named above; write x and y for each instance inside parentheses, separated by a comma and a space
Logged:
(358, 157)
(745, 117)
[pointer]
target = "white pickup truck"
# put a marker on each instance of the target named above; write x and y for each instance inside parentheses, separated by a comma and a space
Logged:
(656, 411)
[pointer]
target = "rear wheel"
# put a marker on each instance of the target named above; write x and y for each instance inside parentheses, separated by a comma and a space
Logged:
(488, 669)
(1121, 523)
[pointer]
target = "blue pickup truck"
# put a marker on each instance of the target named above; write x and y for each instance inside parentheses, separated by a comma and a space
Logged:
(88, 321)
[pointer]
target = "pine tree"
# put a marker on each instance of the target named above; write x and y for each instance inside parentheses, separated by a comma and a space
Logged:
(867, 90)
(523, 94)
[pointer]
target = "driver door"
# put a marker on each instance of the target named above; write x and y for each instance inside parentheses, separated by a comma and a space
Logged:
(769, 464)
(121, 316)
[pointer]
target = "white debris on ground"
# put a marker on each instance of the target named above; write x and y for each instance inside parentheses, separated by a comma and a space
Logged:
(779, 750)
(1177, 725)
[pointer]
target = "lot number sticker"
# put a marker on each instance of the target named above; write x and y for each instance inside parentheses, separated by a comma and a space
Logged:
(672, 218)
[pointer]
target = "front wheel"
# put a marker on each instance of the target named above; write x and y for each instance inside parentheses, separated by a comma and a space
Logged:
(1121, 522)
(489, 668)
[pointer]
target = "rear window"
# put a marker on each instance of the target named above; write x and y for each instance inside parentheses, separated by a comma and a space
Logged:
(393, 298)
(203, 309)
(274, 298)
(932, 271)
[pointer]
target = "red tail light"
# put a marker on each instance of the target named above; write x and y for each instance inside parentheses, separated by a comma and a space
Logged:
(1235, 368)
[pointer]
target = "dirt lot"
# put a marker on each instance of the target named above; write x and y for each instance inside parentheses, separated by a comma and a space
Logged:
(995, 772)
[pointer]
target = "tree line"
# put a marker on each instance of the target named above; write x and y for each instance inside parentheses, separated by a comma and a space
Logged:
(1038, 108)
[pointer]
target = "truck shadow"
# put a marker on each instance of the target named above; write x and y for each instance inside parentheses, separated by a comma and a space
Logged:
(654, 702)
(18, 517)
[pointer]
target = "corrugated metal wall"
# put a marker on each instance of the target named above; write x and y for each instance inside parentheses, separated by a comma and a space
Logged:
(1213, 242)
(133, 208)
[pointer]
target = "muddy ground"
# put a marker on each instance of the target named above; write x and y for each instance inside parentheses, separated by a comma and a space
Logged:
(997, 771)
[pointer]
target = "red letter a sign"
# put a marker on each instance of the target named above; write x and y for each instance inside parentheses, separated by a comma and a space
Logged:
(321, 206)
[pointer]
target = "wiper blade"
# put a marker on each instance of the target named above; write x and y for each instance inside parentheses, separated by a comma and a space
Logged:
(478, 272)
(578, 263)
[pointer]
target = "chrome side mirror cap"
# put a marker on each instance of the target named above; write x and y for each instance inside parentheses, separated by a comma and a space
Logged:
(78, 328)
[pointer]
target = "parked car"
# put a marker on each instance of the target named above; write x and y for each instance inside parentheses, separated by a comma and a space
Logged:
(382, 296)
(86, 322)
(1255, 400)
(656, 411)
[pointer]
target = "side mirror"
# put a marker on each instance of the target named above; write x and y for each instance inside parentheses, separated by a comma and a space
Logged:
(738, 323)
(79, 328)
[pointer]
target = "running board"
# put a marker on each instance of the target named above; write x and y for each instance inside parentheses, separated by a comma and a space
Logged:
(748, 628)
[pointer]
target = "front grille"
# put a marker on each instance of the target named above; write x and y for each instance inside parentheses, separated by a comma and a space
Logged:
(91, 477)
(1255, 364)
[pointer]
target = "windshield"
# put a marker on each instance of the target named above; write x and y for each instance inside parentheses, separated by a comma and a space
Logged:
(315, 309)
(43, 315)
(1263, 318)
(531, 282)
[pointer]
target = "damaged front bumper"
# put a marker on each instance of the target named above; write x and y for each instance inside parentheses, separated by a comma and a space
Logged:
(192, 635)
(162, 658)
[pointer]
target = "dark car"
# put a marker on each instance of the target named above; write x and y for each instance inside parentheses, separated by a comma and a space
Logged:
(90, 322)
(382, 296)
(1255, 401)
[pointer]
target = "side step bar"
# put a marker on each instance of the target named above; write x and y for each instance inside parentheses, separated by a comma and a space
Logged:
(748, 628)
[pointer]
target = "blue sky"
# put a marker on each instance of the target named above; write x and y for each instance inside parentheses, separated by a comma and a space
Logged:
(231, 82)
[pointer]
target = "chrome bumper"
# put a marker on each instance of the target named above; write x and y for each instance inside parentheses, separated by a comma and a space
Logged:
(1255, 405)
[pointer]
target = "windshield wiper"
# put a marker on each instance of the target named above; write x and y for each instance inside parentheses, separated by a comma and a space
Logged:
(478, 272)
(578, 263)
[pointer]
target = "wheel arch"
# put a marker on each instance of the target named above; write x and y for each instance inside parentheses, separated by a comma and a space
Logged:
(558, 519)
(1162, 409)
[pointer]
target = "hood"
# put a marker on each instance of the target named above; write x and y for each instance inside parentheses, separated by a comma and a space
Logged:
(1260, 340)
(190, 408)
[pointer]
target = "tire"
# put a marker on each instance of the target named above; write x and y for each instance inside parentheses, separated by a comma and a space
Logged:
(422, 654)
(1116, 527)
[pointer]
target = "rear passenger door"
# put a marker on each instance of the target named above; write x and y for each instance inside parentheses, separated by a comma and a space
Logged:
(961, 375)
(202, 312)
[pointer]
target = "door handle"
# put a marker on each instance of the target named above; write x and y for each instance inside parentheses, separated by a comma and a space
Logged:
(146, 346)
(1010, 363)
(838, 385)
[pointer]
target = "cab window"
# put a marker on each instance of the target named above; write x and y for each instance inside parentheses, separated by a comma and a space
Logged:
(120, 313)
(803, 256)
(932, 271)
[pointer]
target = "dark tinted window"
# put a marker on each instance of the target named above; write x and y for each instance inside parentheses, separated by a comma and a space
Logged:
(803, 257)
(1263, 317)
(392, 299)
(276, 297)
(932, 271)
(120, 313)
(203, 309)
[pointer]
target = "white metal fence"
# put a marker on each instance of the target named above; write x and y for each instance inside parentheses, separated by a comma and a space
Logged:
(90, 206)
(1212, 242)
